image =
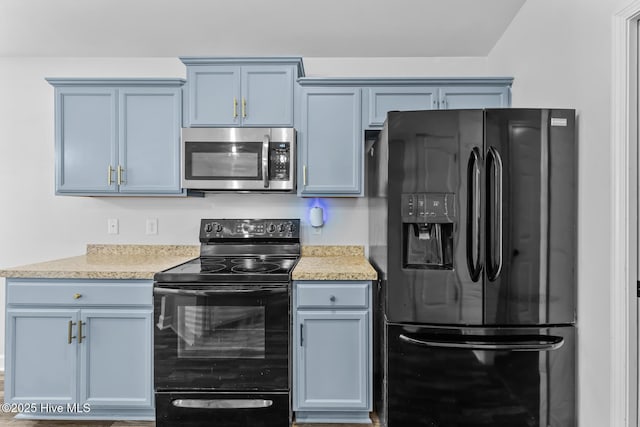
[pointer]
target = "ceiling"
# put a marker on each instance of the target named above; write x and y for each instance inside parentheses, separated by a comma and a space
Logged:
(327, 28)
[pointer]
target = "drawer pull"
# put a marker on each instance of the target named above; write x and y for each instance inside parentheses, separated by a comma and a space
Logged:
(332, 298)
(77, 296)
(70, 330)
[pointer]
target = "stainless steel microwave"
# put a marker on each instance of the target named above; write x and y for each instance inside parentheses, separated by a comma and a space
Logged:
(239, 159)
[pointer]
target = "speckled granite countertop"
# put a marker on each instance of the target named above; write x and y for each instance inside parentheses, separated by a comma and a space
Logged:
(142, 261)
(109, 262)
(333, 263)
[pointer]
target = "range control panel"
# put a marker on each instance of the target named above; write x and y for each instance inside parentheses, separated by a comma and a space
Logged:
(221, 229)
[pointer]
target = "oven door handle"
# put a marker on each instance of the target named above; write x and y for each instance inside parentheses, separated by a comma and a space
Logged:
(222, 403)
(212, 292)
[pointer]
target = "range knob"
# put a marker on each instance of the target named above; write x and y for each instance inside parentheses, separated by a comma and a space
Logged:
(208, 227)
(271, 228)
(290, 227)
(281, 228)
(218, 227)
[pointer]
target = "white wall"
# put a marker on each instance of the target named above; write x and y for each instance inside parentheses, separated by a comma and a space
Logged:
(560, 55)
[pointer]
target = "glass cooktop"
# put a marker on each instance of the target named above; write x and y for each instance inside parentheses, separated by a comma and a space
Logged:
(230, 269)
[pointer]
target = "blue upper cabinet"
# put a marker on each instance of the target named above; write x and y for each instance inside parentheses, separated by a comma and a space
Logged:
(335, 112)
(213, 95)
(230, 92)
(330, 142)
(86, 139)
(118, 136)
(381, 100)
(407, 94)
(485, 96)
(149, 140)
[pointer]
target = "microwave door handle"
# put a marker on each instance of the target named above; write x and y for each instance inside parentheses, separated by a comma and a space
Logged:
(265, 161)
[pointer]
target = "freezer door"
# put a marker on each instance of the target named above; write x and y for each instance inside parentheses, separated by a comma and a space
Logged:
(475, 377)
(530, 164)
(435, 235)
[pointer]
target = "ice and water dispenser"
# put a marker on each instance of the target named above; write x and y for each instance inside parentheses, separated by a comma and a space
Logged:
(427, 230)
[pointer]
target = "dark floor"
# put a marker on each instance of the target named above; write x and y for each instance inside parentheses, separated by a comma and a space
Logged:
(7, 420)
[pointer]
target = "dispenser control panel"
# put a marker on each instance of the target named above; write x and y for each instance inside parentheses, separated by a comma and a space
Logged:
(428, 207)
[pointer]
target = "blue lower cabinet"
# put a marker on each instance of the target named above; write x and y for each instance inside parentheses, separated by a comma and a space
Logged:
(84, 354)
(41, 364)
(112, 374)
(332, 352)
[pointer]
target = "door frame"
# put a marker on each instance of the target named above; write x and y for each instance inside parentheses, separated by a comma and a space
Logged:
(624, 216)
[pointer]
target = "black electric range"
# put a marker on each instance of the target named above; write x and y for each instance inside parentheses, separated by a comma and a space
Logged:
(222, 327)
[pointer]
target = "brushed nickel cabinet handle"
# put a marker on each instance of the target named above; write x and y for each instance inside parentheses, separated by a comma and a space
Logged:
(304, 175)
(235, 107)
(109, 177)
(77, 296)
(70, 331)
(302, 335)
(80, 336)
(120, 174)
(244, 107)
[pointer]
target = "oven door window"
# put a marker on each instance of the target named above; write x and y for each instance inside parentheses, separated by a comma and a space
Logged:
(221, 332)
(223, 160)
(223, 337)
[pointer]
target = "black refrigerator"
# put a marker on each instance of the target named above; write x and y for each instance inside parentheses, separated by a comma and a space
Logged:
(472, 219)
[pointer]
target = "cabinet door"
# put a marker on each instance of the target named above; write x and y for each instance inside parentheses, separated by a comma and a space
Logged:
(149, 140)
(474, 97)
(213, 96)
(41, 356)
(332, 360)
(331, 142)
(116, 358)
(385, 99)
(86, 140)
(267, 96)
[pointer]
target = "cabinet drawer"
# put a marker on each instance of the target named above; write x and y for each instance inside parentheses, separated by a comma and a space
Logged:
(334, 295)
(79, 292)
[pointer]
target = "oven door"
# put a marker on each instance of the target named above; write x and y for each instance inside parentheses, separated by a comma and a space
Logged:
(225, 337)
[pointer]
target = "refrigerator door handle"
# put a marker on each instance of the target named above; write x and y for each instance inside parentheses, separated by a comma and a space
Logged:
(473, 215)
(490, 343)
(494, 235)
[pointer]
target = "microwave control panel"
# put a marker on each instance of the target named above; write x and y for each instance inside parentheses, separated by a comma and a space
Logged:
(279, 161)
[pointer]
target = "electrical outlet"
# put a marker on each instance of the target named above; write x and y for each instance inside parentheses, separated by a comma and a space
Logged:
(112, 226)
(152, 226)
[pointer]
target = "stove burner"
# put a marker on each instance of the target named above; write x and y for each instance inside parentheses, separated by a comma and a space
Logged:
(212, 268)
(248, 259)
(253, 266)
